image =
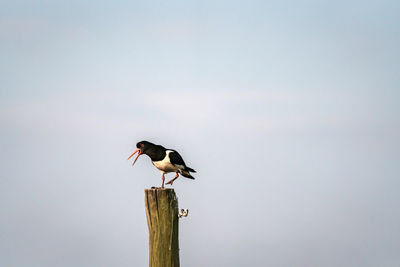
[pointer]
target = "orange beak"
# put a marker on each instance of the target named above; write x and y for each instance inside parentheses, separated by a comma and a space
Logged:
(140, 153)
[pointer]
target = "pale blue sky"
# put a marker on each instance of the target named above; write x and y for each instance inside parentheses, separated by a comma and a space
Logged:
(288, 111)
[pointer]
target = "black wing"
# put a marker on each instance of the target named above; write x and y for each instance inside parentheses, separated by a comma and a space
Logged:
(176, 159)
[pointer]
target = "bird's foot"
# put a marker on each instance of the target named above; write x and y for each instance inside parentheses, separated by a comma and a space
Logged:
(170, 182)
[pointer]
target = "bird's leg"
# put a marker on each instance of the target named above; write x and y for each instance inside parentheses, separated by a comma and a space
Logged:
(176, 177)
(163, 179)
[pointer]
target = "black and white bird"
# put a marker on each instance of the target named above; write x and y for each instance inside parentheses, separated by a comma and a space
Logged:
(166, 160)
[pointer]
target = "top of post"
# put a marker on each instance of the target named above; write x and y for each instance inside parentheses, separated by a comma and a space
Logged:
(159, 189)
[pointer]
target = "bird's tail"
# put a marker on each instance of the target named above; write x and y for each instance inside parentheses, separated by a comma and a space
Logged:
(190, 169)
(186, 173)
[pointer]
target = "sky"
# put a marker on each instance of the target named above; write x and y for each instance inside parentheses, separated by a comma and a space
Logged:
(288, 110)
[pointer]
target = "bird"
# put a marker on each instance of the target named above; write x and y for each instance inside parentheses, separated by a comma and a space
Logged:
(166, 160)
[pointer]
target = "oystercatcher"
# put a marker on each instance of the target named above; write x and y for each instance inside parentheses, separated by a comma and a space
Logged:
(166, 160)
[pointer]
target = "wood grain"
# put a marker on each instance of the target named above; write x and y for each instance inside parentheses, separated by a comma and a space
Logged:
(162, 220)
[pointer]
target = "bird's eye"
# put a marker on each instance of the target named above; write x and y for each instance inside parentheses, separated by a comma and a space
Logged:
(142, 145)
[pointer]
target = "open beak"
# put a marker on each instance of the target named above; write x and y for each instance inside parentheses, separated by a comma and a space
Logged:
(140, 153)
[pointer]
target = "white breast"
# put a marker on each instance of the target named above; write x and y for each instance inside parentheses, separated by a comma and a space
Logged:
(165, 165)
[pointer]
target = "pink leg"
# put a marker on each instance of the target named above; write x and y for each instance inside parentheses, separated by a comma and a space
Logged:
(163, 179)
(176, 177)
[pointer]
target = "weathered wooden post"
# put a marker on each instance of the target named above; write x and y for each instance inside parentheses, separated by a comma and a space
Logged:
(162, 220)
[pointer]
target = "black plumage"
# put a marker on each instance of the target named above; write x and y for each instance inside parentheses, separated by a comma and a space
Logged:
(166, 160)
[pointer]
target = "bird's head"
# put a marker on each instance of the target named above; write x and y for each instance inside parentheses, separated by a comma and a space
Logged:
(141, 149)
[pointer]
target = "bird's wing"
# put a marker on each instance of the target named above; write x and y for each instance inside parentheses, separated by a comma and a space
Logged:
(176, 159)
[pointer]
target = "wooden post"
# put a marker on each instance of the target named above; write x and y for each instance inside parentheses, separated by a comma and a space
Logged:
(162, 220)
